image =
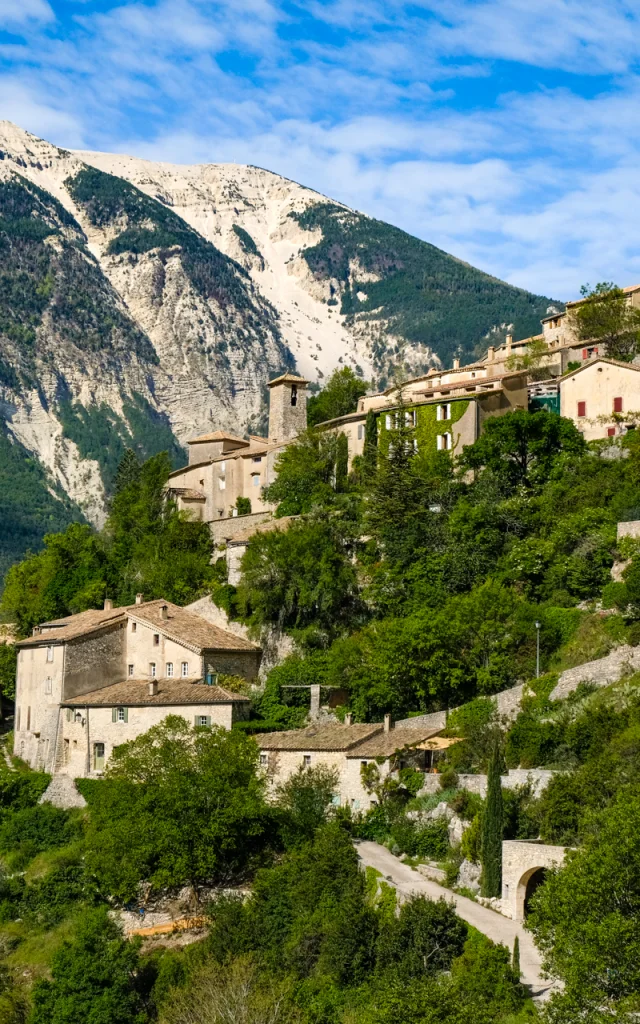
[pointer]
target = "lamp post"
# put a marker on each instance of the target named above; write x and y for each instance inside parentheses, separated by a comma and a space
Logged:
(537, 650)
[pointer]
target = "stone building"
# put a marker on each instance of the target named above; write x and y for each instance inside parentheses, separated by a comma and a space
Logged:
(91, 681)
(345, 747)
(524, 867)
(223, 467)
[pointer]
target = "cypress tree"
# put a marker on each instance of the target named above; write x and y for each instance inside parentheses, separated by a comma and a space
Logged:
(370, 445)
(342, 462)
(492, 829)
(515, 962)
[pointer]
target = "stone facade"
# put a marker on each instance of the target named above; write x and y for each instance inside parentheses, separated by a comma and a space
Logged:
(629, 529)
(66, 719)
(280, 765)
(523, 864)
(602, 397)
(287, 407)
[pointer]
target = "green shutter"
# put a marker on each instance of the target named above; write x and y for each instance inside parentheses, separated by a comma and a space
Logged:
(195, 721)
(209, 720)
(114, 714)
(126, 714)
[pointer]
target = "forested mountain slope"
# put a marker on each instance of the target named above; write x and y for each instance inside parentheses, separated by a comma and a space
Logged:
(141, 303)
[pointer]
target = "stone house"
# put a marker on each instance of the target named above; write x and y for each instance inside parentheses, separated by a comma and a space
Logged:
(91, 681)
(345, 747)
(223, 467)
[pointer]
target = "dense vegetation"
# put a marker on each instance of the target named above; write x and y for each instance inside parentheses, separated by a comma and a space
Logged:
(146, 545)
(426, 296)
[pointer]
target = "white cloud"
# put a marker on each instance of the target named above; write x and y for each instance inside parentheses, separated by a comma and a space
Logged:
(15, 13)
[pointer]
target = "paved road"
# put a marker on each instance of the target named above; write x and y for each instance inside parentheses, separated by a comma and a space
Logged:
(490, 923)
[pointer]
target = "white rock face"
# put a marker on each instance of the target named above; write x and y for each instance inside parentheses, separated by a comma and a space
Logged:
(213, 359)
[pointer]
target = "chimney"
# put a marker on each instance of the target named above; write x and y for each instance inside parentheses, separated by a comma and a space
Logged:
(164, 611)
(509, 343)
(491, 354)
(387, 723)
(108, 604)
(139, 598)
(153, 688)
(348, 718)
(456, 364)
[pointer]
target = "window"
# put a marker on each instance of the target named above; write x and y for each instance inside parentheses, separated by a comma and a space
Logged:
(388, 421)
(410, 418)
(264, 759)
(255, 479)
(48, 685)
(363, 764)
(582, 408)
(49, 653)
(69, 715)
(129, 670)
(443, 442)
(306, 760)
(169, 669)
(156, 639)
(184, 669)
(611, 431)
(222, 483)
(360, 431)
(415, 444)
(134, 627)
(443, 412)
(202, 721)
(294, 394)
(617, 405)
(152, 669)
(119, 714)
(222, 466)
(257, 458)
(98, 757)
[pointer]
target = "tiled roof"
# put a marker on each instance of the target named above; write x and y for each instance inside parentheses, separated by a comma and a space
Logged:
(332, 736)
(191, 494)
(186, 627)
(384, 744)
(598, 359)
(135, 693)
(180, 625)
(74, 626)
(288, 378)
(218, 435)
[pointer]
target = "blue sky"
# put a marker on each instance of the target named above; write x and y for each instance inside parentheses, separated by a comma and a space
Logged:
(505, 131)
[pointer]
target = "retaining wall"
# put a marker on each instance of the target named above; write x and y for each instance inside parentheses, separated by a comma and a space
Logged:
(624, 660)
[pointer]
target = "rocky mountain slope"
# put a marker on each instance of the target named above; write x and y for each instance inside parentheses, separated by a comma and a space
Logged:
(141, 303)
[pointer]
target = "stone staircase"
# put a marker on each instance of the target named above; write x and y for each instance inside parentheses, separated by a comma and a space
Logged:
(62, 792)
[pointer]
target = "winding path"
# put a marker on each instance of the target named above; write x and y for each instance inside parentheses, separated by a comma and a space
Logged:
(490, 923)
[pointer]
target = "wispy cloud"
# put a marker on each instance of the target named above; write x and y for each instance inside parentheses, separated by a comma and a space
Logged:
(502, 131)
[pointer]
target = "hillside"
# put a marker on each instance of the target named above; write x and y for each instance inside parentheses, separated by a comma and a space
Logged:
(142, 303)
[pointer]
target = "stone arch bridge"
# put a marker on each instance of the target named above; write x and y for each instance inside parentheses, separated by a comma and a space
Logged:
(524, 865)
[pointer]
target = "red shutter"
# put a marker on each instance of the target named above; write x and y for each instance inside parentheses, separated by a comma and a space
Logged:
(611, 431)
(584, 353)
(617, 405)
(582, 408)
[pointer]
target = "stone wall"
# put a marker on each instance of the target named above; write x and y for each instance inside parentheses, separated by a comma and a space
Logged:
(94, 661)
(436, 720)
(537, 778)
(226, 529)
(282, 764)
(629, 529)
(624, 660)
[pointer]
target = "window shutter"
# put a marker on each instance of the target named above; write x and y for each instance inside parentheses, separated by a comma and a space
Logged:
(209, 720)
(114, 714)
(126, 714)
(195, 721)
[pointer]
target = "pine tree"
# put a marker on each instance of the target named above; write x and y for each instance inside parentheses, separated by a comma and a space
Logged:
(515, 962)
(492, 829)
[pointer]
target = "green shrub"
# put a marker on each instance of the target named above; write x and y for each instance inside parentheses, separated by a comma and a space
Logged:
(448, 779)
(466, 720)
(38, 828)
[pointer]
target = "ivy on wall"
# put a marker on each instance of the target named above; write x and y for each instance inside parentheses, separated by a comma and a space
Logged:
(427, 424)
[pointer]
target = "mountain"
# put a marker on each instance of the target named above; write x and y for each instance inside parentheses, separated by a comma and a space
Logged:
(141, 303)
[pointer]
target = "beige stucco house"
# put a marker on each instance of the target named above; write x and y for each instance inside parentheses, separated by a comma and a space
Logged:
(346, 748)
(602, 397)
(91, 681)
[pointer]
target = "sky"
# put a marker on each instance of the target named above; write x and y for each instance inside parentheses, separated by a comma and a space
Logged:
(507, 132)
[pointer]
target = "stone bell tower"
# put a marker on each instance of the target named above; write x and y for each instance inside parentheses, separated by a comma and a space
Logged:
(287, 407)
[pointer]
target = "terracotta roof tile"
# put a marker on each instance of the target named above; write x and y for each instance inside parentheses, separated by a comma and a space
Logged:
(180, 624)
(218, 435)
(332, 736)
(135, 693)
(384, 744)
(186, 627)
(289, 378)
